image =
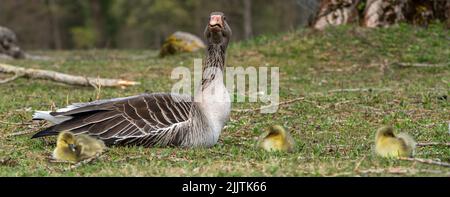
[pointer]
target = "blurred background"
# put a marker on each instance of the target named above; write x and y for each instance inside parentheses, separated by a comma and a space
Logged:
(136, 24)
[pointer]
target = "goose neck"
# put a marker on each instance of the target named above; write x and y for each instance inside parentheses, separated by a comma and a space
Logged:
(214, 65)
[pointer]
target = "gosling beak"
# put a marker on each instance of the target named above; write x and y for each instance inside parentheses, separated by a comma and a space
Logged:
(72, 147)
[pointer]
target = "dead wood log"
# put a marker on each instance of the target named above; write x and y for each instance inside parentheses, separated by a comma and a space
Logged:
(64, 78)
(426, 161)
(406, 64)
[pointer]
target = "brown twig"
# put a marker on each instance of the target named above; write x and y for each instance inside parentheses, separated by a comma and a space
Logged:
(51, 160)
(400, 171)
(15, 123)
(16, 75)
(129, 157)
(359, 163)
(405, 64)
(360, 90)
(425, 161)
(315, 93)
(339, 174)
(83, 162)
(264, 107)
(433, 144)
(20, 133)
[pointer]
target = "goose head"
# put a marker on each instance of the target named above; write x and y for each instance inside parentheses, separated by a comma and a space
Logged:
(217, 32)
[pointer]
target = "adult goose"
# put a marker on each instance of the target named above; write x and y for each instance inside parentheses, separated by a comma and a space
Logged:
(158, 119)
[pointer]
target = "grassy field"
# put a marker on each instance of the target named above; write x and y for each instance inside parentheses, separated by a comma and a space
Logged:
(334, 131)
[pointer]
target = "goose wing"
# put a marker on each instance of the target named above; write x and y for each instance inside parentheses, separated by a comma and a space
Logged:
(118, 119)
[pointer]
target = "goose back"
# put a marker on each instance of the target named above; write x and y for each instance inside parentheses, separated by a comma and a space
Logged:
(147, 119)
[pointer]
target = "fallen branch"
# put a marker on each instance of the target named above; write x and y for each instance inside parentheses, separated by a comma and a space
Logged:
(359, 163)
(52, 160)
(433, 144)
(388, 171)
(314, 93)
(283, 104)
(20, 133)
(15, 123)
(360, 90)
(83, 162)
(64, 78)
(31, 128)
(339, 174)
(127, 158)
(405, 64)
(264, 107)
(399, 171)
(11, 78)
(425, 161)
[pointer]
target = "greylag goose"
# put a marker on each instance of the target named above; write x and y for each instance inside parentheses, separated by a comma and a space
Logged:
(157, 119)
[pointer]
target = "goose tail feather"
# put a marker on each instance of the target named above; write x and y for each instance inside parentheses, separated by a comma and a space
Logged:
(46, 115)
(46, 132)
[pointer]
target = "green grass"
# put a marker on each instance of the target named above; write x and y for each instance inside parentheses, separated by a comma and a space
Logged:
(334, 131)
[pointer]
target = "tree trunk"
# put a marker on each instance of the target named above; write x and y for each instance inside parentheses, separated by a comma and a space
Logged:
(98, 22)
(383, 13)
(336, 12)
(447, 14)
(248, 31)
(54, 23)
(307, 9)
(423, 12)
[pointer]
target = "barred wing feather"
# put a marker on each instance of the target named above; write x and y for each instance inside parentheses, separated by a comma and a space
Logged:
(143, 119)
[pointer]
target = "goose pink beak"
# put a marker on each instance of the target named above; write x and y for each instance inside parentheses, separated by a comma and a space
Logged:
(216, 20)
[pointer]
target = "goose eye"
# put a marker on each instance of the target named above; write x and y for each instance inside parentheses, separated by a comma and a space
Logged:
(224, 18)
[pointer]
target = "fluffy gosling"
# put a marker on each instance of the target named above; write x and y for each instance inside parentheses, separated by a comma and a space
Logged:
(387, 144)
(277, 139)
(89, 146)
(76, 148)
(66, 149)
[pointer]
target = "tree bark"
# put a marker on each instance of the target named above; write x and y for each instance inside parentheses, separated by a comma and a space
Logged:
(335, 12)
(447, 14)
(98, 21)
(54, 23)
(383, 13)
(248, 30)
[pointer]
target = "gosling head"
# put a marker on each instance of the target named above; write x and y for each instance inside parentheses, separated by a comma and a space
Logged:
(385, 131)
(66, 140)
(277, 130)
